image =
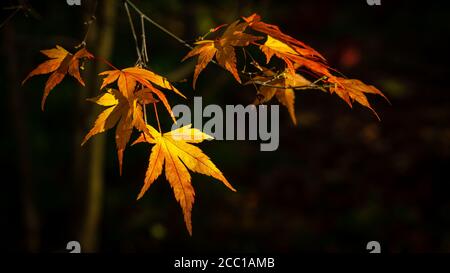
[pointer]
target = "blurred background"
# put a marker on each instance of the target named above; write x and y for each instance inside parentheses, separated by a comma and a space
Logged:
(339, 179)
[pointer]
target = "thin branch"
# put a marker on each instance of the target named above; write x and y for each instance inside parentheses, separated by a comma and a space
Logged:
(311, 86)
(158, 25)
(244, 69)
(319, 79)
(88, 23)
(144, 42)
(13, 7)
(133, 32)
(25, 7)
(16, 10)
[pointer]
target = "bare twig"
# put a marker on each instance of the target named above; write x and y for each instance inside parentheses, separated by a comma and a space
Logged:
(311, 86)
(16, 10)
(24, 6)
(133, 32)
(158, 25)
(88, 23)
(144, 52)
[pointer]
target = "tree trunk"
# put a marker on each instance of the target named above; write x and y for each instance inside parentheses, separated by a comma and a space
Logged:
(18, 111)
(100, 41)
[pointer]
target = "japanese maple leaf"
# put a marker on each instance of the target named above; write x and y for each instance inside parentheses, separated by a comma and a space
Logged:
(279, 87)
(61, 62)
(254, 22)
(128, 77)
(291, 57)
(222, 48)
(126, 115)
(354, 90)
(173, 150)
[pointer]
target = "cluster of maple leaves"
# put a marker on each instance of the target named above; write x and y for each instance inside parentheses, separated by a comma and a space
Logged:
(127, 92)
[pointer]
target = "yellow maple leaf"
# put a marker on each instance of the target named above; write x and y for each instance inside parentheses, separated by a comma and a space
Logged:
(126, 115)
(173, 150)
(279, 46)
(128, 77)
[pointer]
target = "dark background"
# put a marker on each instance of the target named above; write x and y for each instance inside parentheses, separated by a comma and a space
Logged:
(338, 180)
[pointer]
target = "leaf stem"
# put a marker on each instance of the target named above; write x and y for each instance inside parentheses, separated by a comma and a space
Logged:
(106, 62)
(144, 108)
(157, 117)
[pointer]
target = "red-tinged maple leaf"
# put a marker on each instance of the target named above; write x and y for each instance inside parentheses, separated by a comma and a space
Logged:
(128, 77)
(254, 22)
(291, 57)
(173, 150)
(279, 86)
(351, 90)
(121, 112)
(61, 62)
(222, 48)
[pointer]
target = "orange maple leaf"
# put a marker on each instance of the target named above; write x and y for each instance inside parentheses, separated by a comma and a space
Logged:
(354, 90)
(126, 115)
(254, 22)
(291, 57)
(61, 62)
(128, 78)
(173, 149)
(296, 54)
(222, 48)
